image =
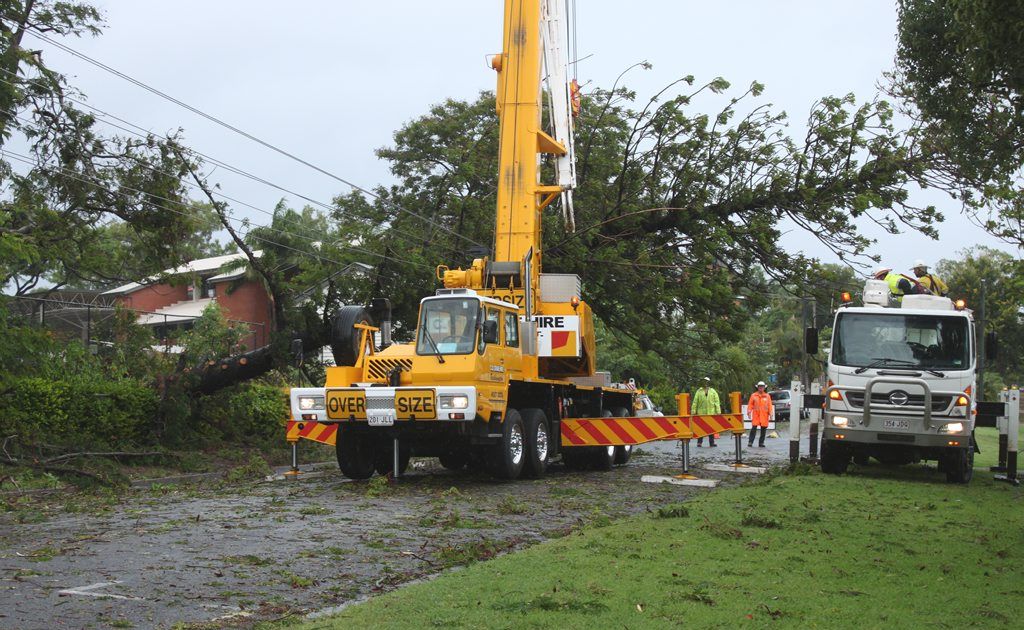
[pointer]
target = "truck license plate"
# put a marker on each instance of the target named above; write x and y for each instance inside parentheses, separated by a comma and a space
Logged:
(896, 424)
(380, 419)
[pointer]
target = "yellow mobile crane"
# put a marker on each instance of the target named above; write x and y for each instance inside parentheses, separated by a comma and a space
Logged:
(504, 355)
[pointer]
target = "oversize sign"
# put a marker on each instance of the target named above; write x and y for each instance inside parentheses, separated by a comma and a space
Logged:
(415, 402)
(558, 335)
(342, 405)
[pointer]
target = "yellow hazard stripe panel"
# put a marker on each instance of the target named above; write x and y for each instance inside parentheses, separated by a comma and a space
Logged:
(315, 431)
(622, 431)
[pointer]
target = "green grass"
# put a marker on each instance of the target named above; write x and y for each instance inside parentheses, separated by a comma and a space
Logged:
(882, 547)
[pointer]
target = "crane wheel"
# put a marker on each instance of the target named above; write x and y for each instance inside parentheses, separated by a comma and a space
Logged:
(355, 454)
(510, 453)
(622, 453)
(535, 426)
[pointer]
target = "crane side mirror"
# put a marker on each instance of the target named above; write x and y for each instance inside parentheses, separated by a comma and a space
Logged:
(811, 340)
(991, 346)
(490, 331)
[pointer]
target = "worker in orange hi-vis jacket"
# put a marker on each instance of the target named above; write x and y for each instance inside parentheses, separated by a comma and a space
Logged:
(759, 410)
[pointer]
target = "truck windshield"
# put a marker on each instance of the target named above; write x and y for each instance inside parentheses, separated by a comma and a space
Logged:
(907, 341)
(450, 324)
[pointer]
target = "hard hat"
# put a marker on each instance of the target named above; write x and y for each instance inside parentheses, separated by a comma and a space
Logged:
(920, 264)
(761, 384)
(707, 378)
(881, 271)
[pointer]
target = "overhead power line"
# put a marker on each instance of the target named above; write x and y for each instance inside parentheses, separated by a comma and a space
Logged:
(141, 132)
(84, 179)
(244, 134)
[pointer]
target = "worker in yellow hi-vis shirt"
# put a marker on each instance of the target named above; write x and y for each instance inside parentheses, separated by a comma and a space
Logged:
(929, 280)
(705, 403)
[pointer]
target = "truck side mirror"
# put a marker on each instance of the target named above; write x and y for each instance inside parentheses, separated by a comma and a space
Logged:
(811, 340)
(490, 331)
(991, 346)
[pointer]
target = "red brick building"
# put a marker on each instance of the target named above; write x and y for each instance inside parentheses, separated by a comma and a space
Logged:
(173, 300)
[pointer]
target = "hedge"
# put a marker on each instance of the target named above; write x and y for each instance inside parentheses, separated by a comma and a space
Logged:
(79, 413)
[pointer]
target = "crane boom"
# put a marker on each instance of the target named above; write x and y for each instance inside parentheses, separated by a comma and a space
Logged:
(521, 196)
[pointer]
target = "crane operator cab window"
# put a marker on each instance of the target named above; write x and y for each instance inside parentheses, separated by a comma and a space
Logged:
(448, 326)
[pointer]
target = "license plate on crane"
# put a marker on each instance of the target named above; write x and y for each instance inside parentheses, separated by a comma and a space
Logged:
(380, 419)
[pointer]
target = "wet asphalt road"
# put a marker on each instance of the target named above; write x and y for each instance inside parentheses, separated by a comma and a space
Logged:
(232, 555)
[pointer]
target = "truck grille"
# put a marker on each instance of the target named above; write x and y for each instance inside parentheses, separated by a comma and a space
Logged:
(914, 401)
(380, 402)
(380, 368)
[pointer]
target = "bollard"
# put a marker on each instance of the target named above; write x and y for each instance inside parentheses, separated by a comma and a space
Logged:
(683, 400)
(1013, 433)
(815, 417)
(795, 403)
(739, 448)
(1002, 423)
(394, 461)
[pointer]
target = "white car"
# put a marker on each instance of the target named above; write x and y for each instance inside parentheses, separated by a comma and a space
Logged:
(645, 407)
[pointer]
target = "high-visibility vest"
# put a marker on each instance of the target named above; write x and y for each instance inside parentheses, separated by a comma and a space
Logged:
(705, 404)
(760, 408)
(933, 284)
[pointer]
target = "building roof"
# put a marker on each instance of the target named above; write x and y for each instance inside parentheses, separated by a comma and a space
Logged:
(184, 311)
(200, 266)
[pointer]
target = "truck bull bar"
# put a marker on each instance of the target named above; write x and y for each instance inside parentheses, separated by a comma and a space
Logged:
(901, 380)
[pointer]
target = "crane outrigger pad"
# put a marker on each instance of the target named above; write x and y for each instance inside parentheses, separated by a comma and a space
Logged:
(315, 431)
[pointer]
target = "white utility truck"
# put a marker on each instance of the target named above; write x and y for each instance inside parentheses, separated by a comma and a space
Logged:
(901, 383)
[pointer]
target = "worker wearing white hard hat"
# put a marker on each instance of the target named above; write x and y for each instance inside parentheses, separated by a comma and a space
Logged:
(899, 284)
(929, 281)
(705, 402)
(760, 410)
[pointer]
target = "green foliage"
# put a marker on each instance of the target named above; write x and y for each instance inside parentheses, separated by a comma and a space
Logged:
(1003, 278)
(80, 208)
(249, 413)
(77, 412)
(960, 64)
(212, 336)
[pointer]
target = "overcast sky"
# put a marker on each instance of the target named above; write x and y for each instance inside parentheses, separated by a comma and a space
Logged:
(331, 81)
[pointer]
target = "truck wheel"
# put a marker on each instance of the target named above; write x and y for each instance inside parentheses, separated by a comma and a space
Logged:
(602, 457)
(454, 461)
(384, 460)
(622, 453)
(960, 465)
(510, 454)
(344, 336)
(535, 425)
(355, 454)
(834, 458)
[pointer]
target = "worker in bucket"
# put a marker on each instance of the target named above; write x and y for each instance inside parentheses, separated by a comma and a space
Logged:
(759, 411)
(706, 403)
(930, 281)
(899, 284)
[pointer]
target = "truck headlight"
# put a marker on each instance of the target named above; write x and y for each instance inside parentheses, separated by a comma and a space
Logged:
(840, 421)
(952, 427)
(311, 402)
(457, 401)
